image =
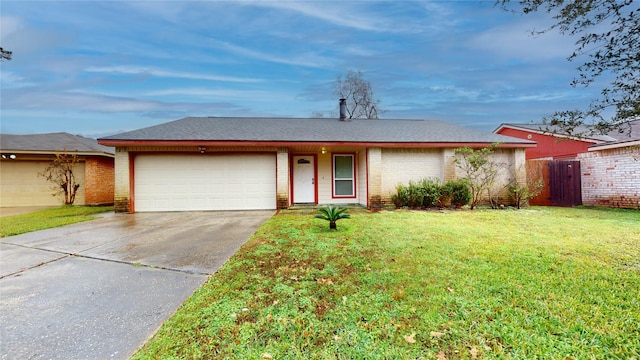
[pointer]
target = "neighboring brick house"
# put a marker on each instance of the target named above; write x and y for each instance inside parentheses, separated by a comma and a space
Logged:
(611, 174)
(25, 156)
(609, 164)
(210, 163)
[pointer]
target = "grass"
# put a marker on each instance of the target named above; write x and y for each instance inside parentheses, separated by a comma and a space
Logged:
(547, 283)
(48, 218)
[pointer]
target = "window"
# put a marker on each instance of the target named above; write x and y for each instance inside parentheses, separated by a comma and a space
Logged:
(343, 176)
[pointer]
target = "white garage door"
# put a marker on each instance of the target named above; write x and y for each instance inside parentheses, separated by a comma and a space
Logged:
(204, 182)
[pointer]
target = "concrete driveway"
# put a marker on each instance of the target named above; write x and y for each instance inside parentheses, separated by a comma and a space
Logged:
(100, 289)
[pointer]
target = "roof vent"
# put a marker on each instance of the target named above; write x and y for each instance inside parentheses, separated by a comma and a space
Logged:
(343, 109)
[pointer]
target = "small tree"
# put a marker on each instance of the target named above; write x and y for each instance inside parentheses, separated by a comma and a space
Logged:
(478, 170)
(522, 192)
(60, 173)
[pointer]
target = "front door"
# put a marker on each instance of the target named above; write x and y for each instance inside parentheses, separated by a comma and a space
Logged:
(304, 179)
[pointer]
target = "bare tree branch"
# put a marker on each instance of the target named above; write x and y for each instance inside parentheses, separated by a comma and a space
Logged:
(361, 102)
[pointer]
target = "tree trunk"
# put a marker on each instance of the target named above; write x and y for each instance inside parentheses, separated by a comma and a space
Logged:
(332, 225)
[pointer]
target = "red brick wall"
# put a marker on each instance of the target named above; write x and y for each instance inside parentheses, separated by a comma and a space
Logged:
(99, 180)
(611, 177)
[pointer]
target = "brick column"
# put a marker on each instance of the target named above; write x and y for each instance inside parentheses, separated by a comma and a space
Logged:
(519, 166)
(374, 164)
(282, 178)
(448, 164)
(122, 192)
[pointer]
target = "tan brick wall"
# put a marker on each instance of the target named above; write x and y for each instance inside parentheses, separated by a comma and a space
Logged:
(99, 180)
(374, 159)
(361, 177)
(399, 166)
(282, 178)
(510, 163)
(448, 162)
(611, 177)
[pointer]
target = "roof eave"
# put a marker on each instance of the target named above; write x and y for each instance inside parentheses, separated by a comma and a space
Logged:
(121, 143)
(542, 132)
(614, 145)
(53, 152)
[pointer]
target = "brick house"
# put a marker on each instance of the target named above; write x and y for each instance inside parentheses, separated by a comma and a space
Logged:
(24, 156)
(609, 165)
(611, 174)
(212, 163)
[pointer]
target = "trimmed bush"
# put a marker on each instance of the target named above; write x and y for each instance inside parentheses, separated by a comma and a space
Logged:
(423, 193)
(430, 191)
(457, 191)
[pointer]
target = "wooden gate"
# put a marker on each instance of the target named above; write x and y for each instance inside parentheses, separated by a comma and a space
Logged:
(565, 183)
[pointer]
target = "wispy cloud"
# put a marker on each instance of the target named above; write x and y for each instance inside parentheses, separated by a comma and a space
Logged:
(308, 59)
(515, 41)
(227, 94)
(136, 70)
(333, 13)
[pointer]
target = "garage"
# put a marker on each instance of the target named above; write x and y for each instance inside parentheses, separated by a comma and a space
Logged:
(21, 185)
(204, 182)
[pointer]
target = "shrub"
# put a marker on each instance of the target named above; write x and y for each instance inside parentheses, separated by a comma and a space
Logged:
(401, 197)
(430, 191)
(457, 191)
(522, 193)
(425, 192)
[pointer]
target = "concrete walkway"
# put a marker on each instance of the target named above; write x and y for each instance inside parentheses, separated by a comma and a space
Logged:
(100, 289)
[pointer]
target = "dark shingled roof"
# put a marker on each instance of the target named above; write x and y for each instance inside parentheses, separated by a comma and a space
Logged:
(51, 143)
(313, 130)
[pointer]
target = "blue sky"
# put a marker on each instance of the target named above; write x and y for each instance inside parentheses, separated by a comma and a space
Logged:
(99, 68)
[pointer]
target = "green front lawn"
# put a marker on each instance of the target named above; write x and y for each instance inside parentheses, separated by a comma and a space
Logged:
(48, 218)
(547, 283)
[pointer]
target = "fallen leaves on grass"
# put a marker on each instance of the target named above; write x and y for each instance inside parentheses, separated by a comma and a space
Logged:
(436, 334)
(474, 352)
(410, 338)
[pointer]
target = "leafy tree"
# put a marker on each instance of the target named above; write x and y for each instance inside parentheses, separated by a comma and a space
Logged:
(332, 215)
(60, 173)
(608, 36)
(5, 54)
(361, 102)
(479, 171)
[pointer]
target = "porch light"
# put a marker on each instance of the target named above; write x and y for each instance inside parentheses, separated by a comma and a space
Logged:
(202, 149)
(9, 156)
(323, 151)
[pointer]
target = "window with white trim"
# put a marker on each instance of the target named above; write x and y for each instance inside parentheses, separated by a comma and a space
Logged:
(343, 176)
